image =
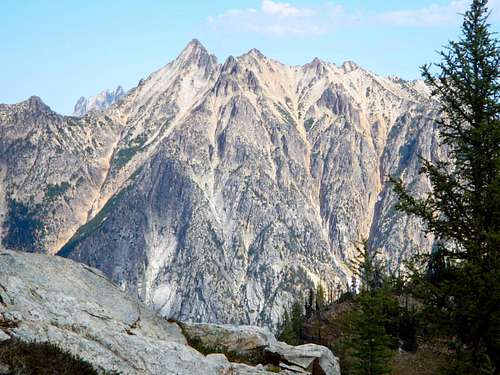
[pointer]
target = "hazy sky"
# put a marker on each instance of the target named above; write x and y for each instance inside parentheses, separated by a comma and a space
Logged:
(61, 50)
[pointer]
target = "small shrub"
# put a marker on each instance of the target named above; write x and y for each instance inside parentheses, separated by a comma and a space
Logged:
(54, 191)
(41, 359)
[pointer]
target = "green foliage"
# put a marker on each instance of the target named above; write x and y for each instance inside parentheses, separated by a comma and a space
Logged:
(368, 267)
(124, 155)
(287, 333)
(22, 225)
(273, 368)
(461, 289)
(53, 191)
(370, 342)
(308, 124)
(41, 359)
(292, 327)
(92, 225)
(320, 297)
(370, 324)
(309, 304)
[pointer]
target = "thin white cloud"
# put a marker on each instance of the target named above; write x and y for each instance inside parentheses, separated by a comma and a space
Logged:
(273, 18)
(284, 9)
(280, 19)
(429, 16)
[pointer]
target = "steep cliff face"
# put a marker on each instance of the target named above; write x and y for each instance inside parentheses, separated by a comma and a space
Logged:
(55, 300)
(229, 188)
(52, 168)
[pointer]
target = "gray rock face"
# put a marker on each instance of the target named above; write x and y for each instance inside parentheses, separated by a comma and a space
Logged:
(51, 171)
(100, 102)
(51, 299)
(257, 341)
(218, 192)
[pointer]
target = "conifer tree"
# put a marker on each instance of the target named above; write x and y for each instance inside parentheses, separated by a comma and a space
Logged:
(297, 320)
(287, 334)
(320, 297)
(462, 287)
(370, 342)
(293, 324)
(309, 304)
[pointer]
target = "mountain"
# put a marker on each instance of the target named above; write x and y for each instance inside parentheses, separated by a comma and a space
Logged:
(220, 192)
(73, 306)
(99, 102)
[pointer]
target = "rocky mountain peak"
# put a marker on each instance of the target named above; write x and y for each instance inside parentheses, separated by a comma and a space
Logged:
(195, 54)
(316, 62)
(36, 104)
(253, 175)
(317, 65)
(230, 65)
(119, 91)
(349, 66)
(99, 102)
(255, 53)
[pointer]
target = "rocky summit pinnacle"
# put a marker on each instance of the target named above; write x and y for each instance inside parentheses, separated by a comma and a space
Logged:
(222, 192)
(99, 102)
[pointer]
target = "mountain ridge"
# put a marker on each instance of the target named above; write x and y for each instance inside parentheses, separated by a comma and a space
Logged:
(253, 174)
(99, 102)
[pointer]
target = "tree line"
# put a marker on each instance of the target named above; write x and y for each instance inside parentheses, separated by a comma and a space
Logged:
(453, 293)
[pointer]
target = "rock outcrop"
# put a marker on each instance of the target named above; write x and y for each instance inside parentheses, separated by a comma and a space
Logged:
(256, 343)
(51, 299)
(100, 102)
(220, 192)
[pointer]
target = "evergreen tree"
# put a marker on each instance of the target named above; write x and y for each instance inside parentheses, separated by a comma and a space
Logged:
(287, 334)
(320, 297)
(368, 268)
(297, 320)
(293, 326)
(309, 304)
(370, 341)
(462, 287)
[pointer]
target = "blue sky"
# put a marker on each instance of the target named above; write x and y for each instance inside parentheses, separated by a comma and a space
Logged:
(61, 50)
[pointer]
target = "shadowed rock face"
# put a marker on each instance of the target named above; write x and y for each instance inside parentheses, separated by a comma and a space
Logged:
(217, 192)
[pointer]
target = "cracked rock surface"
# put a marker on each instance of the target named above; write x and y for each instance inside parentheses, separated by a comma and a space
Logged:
(221, 192)
(52, 299)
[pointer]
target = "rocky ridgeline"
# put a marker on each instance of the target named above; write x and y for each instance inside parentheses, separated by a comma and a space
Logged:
(51, 299)
(100, 102)
(220, 192)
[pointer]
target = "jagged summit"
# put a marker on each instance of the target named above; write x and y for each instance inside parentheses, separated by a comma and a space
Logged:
(33, 103)
(318, 66)
(316, 61)
(193, 47)
(209, 188)
(99, 102)
(195, 43)
(36, 101)
(254, 52)
(349, 66)
(195, 54)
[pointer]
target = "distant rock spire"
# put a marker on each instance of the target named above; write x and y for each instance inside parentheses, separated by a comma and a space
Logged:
(98, 102)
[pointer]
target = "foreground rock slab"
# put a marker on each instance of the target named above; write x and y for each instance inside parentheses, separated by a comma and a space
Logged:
(51, 299)
(257, 343)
